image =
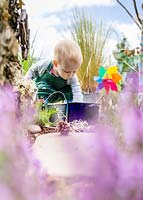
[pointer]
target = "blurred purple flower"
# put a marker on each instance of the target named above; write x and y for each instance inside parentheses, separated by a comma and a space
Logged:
(20, 174)
(131, 121)
(132, 82)
(130, 184)
(118, 172)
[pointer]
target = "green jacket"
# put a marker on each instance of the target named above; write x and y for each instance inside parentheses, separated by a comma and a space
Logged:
(53, 87)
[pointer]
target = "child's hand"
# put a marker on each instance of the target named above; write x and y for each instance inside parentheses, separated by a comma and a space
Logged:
(41, 100)
(63, 127)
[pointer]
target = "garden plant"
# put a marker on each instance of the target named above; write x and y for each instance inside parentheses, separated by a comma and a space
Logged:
(117, 147)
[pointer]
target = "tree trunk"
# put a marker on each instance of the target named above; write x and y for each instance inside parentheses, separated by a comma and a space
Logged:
(10, 69)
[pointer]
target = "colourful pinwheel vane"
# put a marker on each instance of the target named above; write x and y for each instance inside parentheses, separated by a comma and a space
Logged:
(109, 79)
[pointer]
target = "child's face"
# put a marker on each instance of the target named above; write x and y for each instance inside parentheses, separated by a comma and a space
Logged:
(65, 72)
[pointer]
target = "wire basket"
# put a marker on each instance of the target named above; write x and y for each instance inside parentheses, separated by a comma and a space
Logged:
(62, 109)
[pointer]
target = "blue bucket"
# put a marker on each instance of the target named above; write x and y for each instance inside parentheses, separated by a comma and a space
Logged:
(83, 111)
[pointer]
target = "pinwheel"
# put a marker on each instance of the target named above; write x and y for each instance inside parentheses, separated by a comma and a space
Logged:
(108, 78)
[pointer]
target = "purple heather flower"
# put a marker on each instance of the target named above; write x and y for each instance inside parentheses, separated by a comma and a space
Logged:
(20, 174)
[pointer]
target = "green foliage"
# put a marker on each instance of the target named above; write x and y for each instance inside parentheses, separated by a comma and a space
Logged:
(127, 60)
(26, 64)
(3, 158)
(92, 40)
(43, 115)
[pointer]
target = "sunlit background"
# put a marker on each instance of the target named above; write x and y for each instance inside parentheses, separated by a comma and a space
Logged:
(50, 21)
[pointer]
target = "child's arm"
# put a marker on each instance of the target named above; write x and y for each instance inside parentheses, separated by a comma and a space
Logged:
(76, 90)
(37, 69)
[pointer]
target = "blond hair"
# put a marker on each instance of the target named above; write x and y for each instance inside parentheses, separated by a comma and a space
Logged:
(68, 53)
